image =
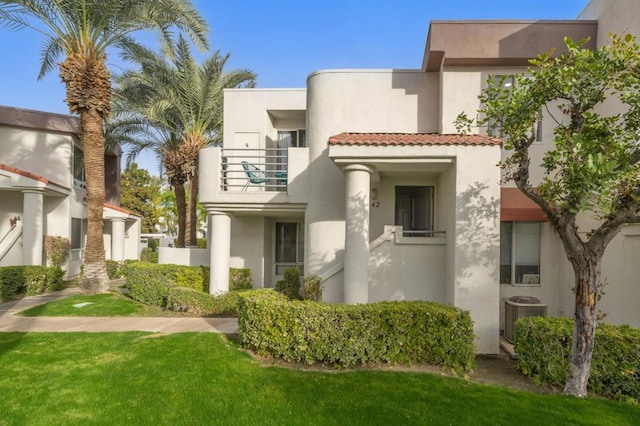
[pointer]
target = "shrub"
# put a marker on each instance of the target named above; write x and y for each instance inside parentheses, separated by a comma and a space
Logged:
(337, 334)
(312, 289)
(183, 299)
(56, 250)
(30, 280)
(148, 255)
(201, 243)
(290, 284)
(240, 279)
(114, 269)
(149, 283)
(152, 244)
(544, 352)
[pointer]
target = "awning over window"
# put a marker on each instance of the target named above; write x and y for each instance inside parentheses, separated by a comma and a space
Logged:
(517, 207)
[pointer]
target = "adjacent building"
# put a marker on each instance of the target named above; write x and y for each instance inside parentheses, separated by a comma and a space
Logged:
(42, 191)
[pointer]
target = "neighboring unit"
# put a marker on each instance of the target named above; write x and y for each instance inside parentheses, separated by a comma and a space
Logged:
(42, 185)
(362, 179)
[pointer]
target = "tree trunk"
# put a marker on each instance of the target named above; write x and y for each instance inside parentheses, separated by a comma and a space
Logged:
(95, 279)
(192, 210)
(182, 213)
(587, 275)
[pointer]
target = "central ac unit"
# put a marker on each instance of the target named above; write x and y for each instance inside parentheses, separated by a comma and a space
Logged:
(517, 307)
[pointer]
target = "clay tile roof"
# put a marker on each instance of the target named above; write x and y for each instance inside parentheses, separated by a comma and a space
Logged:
(30, 175)
(119, 209)
(395, 139)
(23, 173)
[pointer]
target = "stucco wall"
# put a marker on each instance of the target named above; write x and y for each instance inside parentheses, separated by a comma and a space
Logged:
(356, 101)
(408, 270)
(247, 250)
(46, 154)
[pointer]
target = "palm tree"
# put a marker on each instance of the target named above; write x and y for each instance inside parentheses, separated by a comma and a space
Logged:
(81, 31)
(184, 97)
(140, 133)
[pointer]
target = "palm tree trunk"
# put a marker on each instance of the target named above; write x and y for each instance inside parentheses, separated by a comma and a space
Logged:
(182, 212)
(95, 279)
(192, 210)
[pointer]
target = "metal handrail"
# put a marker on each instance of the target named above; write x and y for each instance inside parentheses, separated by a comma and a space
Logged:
(273, 162)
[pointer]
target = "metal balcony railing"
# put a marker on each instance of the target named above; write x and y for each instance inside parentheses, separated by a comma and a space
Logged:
(253, 169)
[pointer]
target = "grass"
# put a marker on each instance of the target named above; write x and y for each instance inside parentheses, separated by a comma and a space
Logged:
(200, 378)
(99, 305)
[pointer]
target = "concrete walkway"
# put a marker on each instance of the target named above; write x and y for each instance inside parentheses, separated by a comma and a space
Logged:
(9, 321)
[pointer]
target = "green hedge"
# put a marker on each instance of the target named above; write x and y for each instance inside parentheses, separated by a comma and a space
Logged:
(543, 345)
(30, 280)
(114, 269)
(149, 283)
(183, 299)
(240, 279)
(344, 335)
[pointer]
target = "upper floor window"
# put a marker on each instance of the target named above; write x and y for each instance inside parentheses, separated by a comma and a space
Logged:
(78, 167)
(292, 138)
(507, 82)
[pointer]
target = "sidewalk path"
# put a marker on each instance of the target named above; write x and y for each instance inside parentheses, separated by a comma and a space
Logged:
(9, 321)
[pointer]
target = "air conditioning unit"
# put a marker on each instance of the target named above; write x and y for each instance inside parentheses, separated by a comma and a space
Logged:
(517, 307)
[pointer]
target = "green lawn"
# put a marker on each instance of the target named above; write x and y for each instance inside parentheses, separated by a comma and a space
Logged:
(99, 305)
(200, 378)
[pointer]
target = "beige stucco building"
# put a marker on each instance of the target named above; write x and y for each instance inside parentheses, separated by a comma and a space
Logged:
(361, 178)
(42, 185)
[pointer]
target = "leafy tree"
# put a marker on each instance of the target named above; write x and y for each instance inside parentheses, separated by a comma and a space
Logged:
(183, 97)
(81, 31)
(140, 193)
(593, 168)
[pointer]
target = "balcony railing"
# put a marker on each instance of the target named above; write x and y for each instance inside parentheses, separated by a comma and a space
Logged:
(252, 169)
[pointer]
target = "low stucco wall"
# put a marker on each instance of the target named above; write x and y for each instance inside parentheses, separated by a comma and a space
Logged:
(408, 269)
(183, 256)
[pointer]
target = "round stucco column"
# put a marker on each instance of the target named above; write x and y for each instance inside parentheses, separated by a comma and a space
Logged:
(117, 239)
(220, 252)
(356, 248)
(32, 231)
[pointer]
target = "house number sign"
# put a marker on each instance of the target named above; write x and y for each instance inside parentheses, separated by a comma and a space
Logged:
(375, 204)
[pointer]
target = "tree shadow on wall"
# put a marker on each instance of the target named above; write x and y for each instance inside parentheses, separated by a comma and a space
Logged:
(478, 236)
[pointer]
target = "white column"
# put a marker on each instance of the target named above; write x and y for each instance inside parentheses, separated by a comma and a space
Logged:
(220, 252)
(117, 239)
(32, 231)
(356, 249)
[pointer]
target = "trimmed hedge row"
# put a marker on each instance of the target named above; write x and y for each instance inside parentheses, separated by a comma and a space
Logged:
(543, 345)
(181, 299)
(149, 283)
(28, 279)
(344, 335)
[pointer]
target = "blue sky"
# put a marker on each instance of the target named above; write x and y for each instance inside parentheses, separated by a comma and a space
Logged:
(285, 40)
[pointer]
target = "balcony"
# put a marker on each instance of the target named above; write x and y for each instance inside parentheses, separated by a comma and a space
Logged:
(253, 178)
(245, 169)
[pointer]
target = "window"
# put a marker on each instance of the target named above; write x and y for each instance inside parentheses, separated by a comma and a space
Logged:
(520, 252)
(78, 167)
(507, 82)
(414, 210)
(288, 139)
(78, 233)
(292, 138)
(289, 246)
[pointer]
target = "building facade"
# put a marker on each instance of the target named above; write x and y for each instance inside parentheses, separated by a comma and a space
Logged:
(362, 179)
